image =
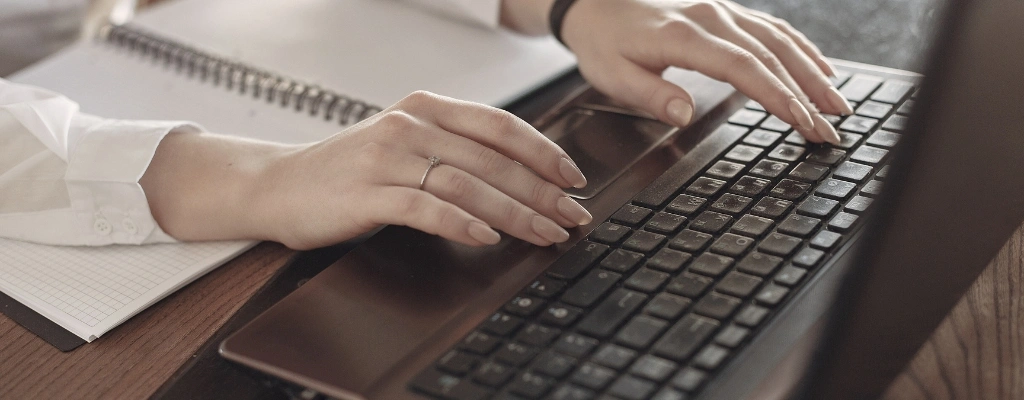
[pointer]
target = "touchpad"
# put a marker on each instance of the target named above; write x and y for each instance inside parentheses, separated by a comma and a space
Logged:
(604, 143)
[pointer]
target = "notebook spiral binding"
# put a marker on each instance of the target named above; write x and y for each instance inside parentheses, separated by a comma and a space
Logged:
(235, 76)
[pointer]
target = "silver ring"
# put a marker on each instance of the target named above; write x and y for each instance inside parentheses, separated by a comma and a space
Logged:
(434, 161)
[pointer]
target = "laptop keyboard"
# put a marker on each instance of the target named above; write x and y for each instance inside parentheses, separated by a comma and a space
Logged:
(661, 295)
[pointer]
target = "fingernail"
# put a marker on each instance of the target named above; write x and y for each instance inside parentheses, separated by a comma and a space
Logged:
(483, 233)
(828, 65)
(548, 229)
(571, 173)
(680, 111)
(800, 114)
(838, 101)
(826, 130)
(573, 211)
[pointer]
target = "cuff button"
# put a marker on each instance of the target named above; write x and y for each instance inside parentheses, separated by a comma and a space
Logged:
(102, 227)
(129, 226)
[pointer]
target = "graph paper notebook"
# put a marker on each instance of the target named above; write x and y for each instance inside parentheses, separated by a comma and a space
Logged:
(281, 70)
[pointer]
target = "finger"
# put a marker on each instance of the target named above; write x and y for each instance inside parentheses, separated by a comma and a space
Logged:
(395, 205)
(720, 59)
(501, 172)
(500, 130)
(799, 64)
(798, 37)
(492, 206)
(644, 90)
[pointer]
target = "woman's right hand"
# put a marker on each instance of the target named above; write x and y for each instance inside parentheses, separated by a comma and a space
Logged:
(496, 171)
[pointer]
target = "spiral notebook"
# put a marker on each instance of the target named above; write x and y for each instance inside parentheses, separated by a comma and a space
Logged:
(282, 70)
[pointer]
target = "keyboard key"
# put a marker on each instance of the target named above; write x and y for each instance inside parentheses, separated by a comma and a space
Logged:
(631, 388)
(575, 345)
(530, 385)
(731, 204)
(705, 186)
(817, 206)
(646, 280)
(789, 189)
(869, 155)
(501, 324)
(747, 117)
(732, 245)
(537, 335)
(665, 223)
(790, 275)
(640, 331)
(545, 287)
(553, 364)
(457, 362)
(826, 155)
(690, 241)
(592, 376)
(710, 222)
(643, 241)
(840, 78)
(835, 189)
(772, 294)
(897, 123)
(591, 287)
(808, 172)
(620, 260)
(751, 315)
(906, 107)
(524, 306)
(725, 170)
(717, 306)
(883, 139)
(759, 264)
(762, 138)
(859, 87)
(738, 284)
(479, 343)
(852, 171)
(825, 240)
(770, 207)
(892, 91)
(858, 204)
(685, 204)
(610, 233)
(440, 384)
(631, 215)
(842, 222)
(749, 186)
(669, 260)
(689, 379)
(493, 374)
(848, 139)
(571, 392)
(753, 105)
(732, 336)
(858, 124)
(799, 225)
(613, 310)
(874, 109)
(614, 357)
(795, 138)
(515, 354)
(683, 338)
(753, 226)
(779, 244)
(808, 257)
(710, 357)
(669, 394)
(775, 124)
(872, 188)
(768, 168)
(744, 153)
(786, 152)
(710, 264)
(689, 285)
(653, 368)
(579, 258)
(560, 315)
(667, 306)
(882, 172)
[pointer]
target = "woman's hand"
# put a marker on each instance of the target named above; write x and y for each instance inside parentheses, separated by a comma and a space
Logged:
(623, 46)
(496, 171)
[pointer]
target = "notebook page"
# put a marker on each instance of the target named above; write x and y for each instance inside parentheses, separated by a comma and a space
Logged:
(90, 290)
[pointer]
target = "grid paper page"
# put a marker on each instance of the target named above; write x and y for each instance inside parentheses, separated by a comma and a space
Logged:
(90, 290)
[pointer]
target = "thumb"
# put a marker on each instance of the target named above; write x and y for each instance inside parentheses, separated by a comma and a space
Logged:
(647, 91)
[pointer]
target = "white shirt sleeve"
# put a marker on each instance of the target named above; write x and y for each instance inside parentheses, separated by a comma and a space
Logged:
(70, 178)
(480, 12)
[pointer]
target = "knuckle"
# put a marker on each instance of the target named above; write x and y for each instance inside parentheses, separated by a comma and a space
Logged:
(460, 185)
(492, 162)
(704, 11)
(503, 122)
(418, 99)
(677, 31)
(371, 155)
(740, 59)
(396, 121)
(447, 217)
(541, 192)
(511, 213)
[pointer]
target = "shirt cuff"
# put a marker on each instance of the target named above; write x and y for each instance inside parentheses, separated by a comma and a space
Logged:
(105, 164)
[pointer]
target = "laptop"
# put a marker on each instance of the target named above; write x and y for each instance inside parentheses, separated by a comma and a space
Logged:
(729, 261)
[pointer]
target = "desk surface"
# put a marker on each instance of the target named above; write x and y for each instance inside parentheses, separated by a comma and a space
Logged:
(977, 352)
